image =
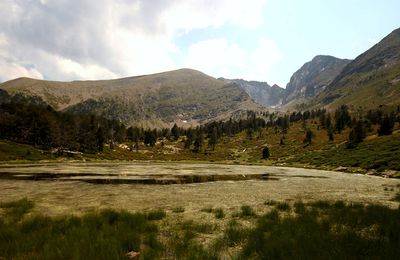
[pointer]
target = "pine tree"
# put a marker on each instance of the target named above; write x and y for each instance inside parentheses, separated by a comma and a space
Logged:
(322, 120)
(189, 139)
(213, 138)
(357, 134)
(198, 142)
(330, 133)
(342, 118)
(386, 127)
(100, 139)
(308, 138)
(265, 153)
(175, 133)
(149, 138)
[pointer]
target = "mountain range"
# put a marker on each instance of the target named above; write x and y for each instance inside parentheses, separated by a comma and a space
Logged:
(371, 80)
(182, 96)
(189, 97)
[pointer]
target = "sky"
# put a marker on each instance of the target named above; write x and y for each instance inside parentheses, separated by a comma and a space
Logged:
(263, 40)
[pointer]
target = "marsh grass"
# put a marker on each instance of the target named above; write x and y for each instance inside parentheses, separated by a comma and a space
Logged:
(105, 234)
(283, 206)
(325, 230)
(15, 210)
(245, 212)
(316, 230)
(157, 214)
(218, 212)
(207, 209)
(270, 202)
(184, 245)
(178, 210)
(299, 207)
(235, 233)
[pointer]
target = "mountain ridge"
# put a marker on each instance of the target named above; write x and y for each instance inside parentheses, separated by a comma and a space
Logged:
(370, 80)
(190, 96)
(161, 98)
(312, 78)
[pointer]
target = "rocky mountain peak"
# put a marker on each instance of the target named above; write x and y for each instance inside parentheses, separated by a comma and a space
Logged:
(261, 92)
(313, 77)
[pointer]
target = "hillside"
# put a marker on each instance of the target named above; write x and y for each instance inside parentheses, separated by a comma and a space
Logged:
(184, 96)
(312, 78)
(260, 92)
(371, 80)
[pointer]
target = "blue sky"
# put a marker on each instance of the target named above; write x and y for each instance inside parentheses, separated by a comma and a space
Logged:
(304, 29)
(264, 40)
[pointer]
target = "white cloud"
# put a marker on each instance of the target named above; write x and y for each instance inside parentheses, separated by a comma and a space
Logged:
(262, 59)
(220, 58)
(11, 70)
(216, 57)
(193, 14)
(85, 39)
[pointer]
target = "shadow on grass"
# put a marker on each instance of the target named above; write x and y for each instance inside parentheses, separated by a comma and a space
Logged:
(326, 230)
(106, 234)
(316, 230)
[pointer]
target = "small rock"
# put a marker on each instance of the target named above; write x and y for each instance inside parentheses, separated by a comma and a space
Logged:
(341, 169)
(133, 254)
(389, 174)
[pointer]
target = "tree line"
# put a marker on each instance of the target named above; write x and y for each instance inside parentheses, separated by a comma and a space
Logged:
(38, 124)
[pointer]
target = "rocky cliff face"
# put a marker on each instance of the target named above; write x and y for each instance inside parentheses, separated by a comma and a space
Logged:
(313, 78)
(261, 92)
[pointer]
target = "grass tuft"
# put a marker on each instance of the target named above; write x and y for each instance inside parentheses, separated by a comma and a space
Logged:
(270, 202)
(15, 210)
(178, 210)
(283, 206)
(219, 213)
(246, 211)
(156, 214)
(207, 209)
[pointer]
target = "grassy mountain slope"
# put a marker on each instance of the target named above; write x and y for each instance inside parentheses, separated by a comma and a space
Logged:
(372, 79)
(375, 154)
(157, 99)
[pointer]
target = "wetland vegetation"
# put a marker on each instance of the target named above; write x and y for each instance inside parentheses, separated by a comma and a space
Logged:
(320, 229)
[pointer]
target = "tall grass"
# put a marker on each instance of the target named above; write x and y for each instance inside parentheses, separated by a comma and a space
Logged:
(183, 243)
(106, 234)
(15, 210)
(326, 231)
(316, 230)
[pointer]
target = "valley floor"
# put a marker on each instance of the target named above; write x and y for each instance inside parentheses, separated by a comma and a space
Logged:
(47, 208)
(77, 188)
